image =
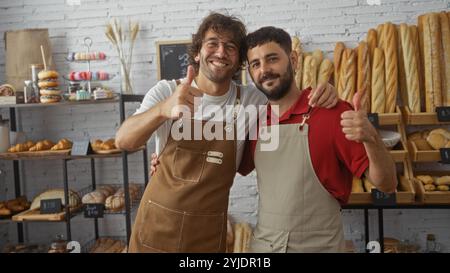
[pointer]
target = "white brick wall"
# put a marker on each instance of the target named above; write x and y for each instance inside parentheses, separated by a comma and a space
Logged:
(319, 23)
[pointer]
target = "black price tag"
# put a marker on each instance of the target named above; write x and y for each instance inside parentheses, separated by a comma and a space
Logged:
(383, 199)
(81, 148)
(443, 113)
(51, 206)
(93, 210)
(445, 155)
(373, 118)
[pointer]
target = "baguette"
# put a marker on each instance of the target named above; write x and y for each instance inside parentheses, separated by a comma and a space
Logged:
(357, 185)
(337, 57)
(416, 42)
(297, 47)
(431, 54)
(381, 36)
(347, 79)
(411, 73)
(391, 69)
(445, 65)
(318, 55)
(363, 75)
(402, 86)
(309, 72)
(371, 43)
(325, 71)
(378, 84)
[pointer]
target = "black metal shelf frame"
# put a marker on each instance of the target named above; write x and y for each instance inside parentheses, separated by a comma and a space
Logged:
(123, 99)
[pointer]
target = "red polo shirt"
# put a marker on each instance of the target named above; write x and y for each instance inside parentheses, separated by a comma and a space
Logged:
(334, 158)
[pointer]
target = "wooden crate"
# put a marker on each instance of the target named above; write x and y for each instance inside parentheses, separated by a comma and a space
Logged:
(433, 197)
(405, 194)
(400, 154)
(390, 118)
(423, 156)
(420, 118)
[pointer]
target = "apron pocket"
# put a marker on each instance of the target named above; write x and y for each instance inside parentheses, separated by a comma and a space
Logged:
(160, 228)
(188, 164)
(203, 233)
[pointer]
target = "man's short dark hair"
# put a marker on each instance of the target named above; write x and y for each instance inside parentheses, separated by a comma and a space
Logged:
(219, 23)
(270, 34)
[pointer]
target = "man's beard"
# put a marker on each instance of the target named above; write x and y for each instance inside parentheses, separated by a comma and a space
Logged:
(282, 89)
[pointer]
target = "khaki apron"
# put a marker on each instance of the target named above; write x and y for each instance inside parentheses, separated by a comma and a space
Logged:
(184, 207)
(296, 213)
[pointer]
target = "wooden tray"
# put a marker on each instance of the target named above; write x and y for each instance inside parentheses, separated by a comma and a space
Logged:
(105, 152)
(424, 118)
(423, 155)
(405, 194)
(431, 197)
(34, 154)
(35, 215)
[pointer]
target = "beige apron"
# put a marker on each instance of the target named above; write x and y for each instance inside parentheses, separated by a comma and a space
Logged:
(296, 213)
(184, 207)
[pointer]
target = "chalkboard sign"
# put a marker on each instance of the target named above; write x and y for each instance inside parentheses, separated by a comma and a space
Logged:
(172, 59)
(443, 113)
(81, 148)
(380, 198)
(373, 118)
(93, 210)
(50, 206)
(445, 155)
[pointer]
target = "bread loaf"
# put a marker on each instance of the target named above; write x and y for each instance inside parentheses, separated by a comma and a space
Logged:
(363, 75)
(401, 70)
(443, 180)
(437, 141)
(411, 73)
(337, 57)
(371, 43)
(443, 188)
(445, 61)
(325, 71)
(381, 36)
(425, 179)
(74, 198)
(94, 197)
(429, 187)
(318, 55)
(115, 203)
(309, 72)
(416, 42)
(391, 69)
(378, 84)
(357, 185)
(347, 78)
(297, 47)
(431, 59)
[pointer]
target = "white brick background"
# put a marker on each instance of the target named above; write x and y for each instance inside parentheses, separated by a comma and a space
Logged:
(319, 23)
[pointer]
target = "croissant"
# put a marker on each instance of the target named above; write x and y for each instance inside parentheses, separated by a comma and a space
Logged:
(107, 146)
(63, 144)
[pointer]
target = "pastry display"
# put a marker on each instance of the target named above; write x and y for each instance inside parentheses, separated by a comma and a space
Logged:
(85, 56)
(49, 86)
(434, 183)
(99, 145)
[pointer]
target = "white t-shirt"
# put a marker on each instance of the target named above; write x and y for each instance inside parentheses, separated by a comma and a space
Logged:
(249, 96)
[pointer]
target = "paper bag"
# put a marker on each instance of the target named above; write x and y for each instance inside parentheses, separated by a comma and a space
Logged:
(23, 48)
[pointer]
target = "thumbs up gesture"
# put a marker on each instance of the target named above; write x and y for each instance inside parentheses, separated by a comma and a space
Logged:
(355, 124)
(182, 100)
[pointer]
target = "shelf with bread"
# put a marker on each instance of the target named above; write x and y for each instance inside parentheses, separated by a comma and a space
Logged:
(112, 196)
(405, 193)
(425, 144)
(34, 213)
(432, 187)
(46, 149)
